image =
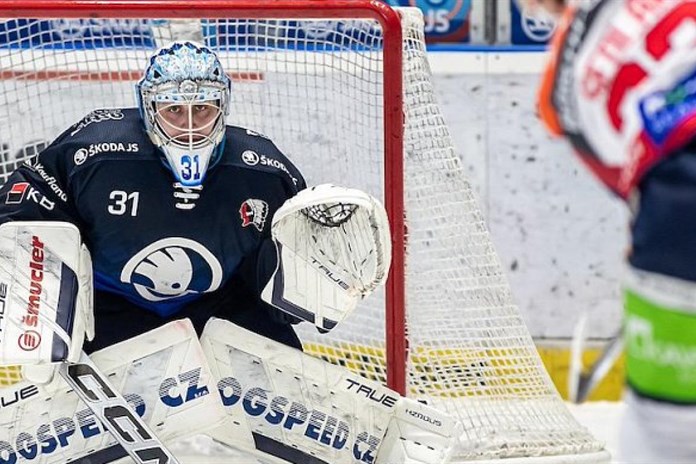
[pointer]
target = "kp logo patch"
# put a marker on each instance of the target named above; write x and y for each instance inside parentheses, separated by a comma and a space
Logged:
(16, 193)
(254, 212)
(21, 190)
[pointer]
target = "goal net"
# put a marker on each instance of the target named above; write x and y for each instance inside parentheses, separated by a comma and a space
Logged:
(343, 88)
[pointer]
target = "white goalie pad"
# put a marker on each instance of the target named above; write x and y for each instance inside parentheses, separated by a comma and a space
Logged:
(164, 376)
(45, 293)
(334, 249)
(288, 407)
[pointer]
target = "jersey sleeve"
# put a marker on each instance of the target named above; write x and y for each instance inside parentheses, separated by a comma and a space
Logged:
(257, 268)
(292, 179)
(39, 189)
(297, 181)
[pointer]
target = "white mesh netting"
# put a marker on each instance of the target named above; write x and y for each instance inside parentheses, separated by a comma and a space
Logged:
(316, 88)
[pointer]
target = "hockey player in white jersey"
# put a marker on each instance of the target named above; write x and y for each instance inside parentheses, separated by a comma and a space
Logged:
(621, 87)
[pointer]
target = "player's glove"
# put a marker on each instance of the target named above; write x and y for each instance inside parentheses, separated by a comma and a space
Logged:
(334, 249)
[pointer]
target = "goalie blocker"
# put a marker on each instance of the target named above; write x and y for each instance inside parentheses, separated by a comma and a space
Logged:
(333, 248)
(45, 293)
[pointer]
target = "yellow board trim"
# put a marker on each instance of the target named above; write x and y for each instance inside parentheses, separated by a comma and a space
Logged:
(430, 363)
(369, 362)
(556, 359)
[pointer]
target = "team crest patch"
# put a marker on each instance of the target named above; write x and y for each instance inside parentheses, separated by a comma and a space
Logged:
(16, 193)
(254, 212)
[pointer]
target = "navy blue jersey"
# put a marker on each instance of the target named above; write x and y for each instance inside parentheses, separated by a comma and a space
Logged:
(156, 243)
(664, 223)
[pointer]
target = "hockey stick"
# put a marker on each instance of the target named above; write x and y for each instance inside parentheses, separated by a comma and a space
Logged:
(581, 384)
(109, 406)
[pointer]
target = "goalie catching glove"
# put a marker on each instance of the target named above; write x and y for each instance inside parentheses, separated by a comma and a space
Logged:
(333, 248)
(45, 293)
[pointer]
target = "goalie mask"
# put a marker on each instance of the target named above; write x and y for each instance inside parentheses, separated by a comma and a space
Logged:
(183, 99)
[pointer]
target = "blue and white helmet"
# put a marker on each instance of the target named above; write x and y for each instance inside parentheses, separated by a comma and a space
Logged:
(183, 85)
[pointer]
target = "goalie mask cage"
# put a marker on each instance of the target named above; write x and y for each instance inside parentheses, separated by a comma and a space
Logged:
(343, 88)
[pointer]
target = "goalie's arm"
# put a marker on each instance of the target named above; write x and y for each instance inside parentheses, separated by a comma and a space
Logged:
(45, 271)
(39, 190)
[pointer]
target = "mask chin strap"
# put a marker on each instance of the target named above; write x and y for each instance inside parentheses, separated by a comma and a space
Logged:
(189, 165)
